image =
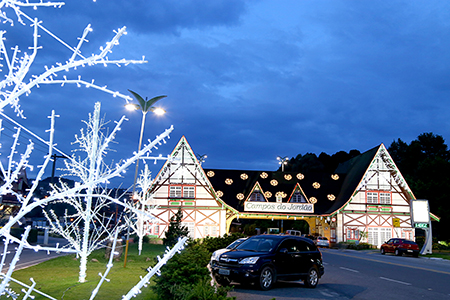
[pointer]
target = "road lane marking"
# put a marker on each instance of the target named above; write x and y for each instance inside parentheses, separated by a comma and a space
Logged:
(396, 281)
(328, 293)
(347, 269)
(390, 263)
(25, 265)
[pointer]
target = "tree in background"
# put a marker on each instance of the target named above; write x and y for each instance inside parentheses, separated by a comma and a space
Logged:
(309, 162)
(426, 167)
(175, 230)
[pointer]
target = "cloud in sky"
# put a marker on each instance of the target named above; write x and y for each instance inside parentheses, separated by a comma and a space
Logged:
(250, 80)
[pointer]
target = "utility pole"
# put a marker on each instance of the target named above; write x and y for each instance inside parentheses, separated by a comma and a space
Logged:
(54, 157)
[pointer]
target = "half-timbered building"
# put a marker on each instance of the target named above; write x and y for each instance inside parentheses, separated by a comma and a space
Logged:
(365, 199)
(182, 184)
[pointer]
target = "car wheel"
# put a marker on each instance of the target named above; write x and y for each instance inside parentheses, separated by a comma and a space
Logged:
(267, 278)
(382, 251)
(312, 279)
(222, 281)
(415, 254)
(398, 252)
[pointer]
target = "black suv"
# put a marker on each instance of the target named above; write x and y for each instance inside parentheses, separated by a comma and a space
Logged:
(263, 259)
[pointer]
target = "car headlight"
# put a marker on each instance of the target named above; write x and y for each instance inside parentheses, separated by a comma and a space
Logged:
(214, 256)
(249, 261)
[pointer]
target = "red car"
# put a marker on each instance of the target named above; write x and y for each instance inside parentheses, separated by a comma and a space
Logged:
(400, 247)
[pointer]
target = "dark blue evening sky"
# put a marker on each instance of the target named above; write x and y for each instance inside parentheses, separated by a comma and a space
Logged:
(248, 81)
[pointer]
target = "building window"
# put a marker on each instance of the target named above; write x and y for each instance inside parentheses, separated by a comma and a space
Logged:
(257, 196)
(378, 198)
(298, 198)
(385, 198)
(352, 234)
(175, 191)
(190, 227)
(189, 192)
(178, 191)
(372, 198)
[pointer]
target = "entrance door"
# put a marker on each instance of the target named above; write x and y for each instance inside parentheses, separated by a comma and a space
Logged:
(378, 235)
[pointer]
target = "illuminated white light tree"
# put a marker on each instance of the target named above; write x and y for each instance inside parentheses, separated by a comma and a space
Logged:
(94, 174)
(87, 229)
(139, 223)
(15, 68)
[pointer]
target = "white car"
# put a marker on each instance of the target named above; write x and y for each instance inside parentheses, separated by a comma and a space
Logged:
(322, 241)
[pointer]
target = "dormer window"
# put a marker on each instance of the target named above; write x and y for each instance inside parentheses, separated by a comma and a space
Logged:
(257, 197)
(298, 198)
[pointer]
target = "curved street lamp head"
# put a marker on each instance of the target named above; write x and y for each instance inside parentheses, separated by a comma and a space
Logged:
(282, 161)
(147, 104)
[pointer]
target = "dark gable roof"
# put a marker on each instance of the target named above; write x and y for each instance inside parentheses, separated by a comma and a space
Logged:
(228, 184)
(355, 169)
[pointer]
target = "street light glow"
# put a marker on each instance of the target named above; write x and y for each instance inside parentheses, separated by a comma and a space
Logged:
(282, 161)
(159, 111)
(131, 106)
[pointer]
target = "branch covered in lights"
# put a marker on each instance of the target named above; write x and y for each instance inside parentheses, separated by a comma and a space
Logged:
(16, 67)
(142, 202)
(88, 198)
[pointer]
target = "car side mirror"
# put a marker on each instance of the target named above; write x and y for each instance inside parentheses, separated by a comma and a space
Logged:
(283, 251)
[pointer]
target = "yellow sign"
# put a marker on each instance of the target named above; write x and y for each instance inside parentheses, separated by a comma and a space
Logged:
(396, 222)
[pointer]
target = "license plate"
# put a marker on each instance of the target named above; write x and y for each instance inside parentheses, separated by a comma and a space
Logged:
(409, 250)
(224, 272)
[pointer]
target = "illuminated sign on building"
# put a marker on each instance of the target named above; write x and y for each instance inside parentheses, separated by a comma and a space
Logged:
(279, 207)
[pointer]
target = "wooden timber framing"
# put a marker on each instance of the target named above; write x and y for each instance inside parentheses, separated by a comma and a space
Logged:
(182, 184)
(368, 212)
(365, 199)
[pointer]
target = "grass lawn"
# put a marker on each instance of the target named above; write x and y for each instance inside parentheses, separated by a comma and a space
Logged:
(444, 254)
(59, 277)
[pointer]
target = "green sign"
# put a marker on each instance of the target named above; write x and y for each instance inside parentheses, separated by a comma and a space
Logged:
(421, 225)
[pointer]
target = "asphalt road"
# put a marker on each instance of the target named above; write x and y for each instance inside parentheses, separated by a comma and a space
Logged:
(364, 275)
(30, 257)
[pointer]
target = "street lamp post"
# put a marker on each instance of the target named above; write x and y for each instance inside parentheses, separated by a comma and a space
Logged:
(144, 106)
(201, 158)
(282, 161)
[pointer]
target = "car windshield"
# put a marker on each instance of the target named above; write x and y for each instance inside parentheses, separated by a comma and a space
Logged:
(260, 244)
(235, 243)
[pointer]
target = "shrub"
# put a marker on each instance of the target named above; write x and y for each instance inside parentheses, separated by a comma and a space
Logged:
(352, 245)
(437, 245)
(362, 246)
(202, 290)
(32, 236)
(145, 239)
(175, 230)
(182, 271)
(214, 243)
